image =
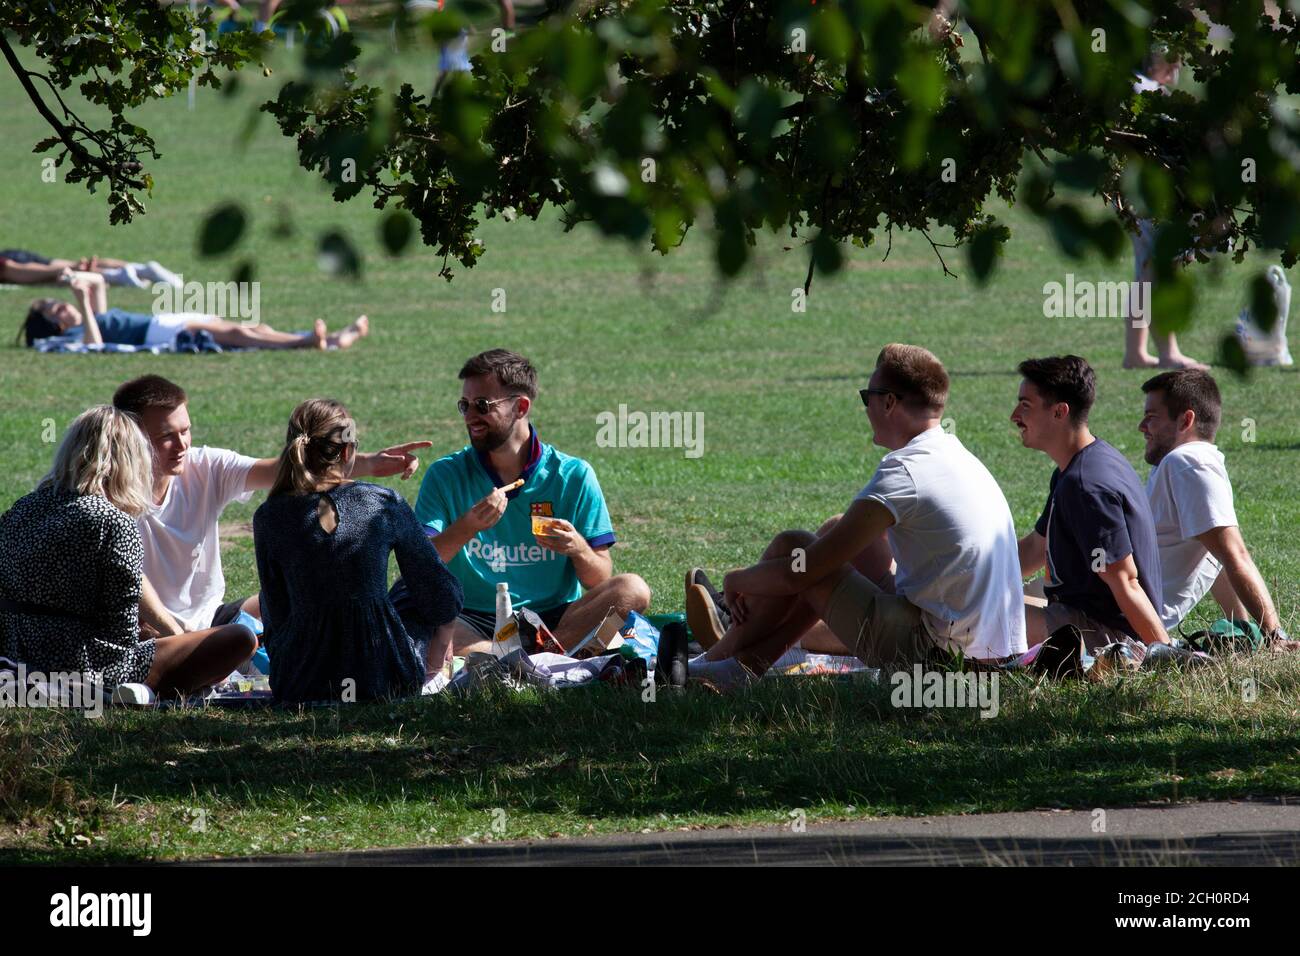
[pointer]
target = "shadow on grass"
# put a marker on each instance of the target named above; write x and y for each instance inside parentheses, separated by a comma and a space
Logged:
(603, 753)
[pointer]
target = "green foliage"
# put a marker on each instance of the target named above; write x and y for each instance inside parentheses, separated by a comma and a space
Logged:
(644, 117)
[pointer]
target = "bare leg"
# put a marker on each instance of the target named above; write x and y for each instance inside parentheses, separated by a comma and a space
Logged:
(186, 662)
(253, 606)
(773, 623)
(622, 592)
(357, 330)
(1226, 595)
(235, 335)
(1136, 327)
(876, 562)
(465, 640)
(438, 654)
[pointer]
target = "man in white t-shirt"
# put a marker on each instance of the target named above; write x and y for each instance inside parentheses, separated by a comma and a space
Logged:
(932, 507)
(183, 587)
(1201, 548)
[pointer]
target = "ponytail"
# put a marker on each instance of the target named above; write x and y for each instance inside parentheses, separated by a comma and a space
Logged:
(320, 430)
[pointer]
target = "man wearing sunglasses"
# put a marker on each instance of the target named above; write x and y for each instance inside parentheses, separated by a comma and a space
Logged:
(932, 509)
(483, 528)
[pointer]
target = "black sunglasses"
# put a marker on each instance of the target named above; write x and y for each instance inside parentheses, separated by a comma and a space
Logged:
(866, 393)
(481, 405)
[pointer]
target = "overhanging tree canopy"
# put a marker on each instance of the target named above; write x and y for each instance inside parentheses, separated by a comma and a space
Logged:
(829, 122)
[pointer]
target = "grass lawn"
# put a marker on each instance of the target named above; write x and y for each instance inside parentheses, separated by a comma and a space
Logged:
(786, 444)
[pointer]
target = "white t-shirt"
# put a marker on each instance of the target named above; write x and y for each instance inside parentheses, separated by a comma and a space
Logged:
(1190, 494)
(182, 551)
(955, 544)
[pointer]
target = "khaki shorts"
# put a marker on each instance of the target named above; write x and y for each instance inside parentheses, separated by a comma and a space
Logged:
(1095, 634)
(881, 629)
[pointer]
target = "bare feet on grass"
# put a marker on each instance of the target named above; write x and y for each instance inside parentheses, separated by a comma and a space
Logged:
(357, 330)
(1176, 359)
(1140, 361)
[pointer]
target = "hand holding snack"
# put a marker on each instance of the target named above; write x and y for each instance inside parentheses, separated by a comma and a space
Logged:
(557, 535)
(489, 511)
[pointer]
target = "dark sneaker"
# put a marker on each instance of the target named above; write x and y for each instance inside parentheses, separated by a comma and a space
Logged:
(1061, 653)
(697, 576)
(702, 616)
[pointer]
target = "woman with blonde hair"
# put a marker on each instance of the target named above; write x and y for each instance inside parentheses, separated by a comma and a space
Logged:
(322, 543)
(70, 577)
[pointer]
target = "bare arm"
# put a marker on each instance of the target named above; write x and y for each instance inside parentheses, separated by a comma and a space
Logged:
(1122, 579)
(1032, 549)
(396, 460)
(154, 613)
(1227, 545)
(593, 565)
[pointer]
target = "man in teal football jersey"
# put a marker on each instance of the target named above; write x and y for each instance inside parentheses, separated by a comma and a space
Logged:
(485, 533)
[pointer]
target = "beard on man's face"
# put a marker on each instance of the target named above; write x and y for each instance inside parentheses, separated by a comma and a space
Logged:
(493, 438)
(1156, 450)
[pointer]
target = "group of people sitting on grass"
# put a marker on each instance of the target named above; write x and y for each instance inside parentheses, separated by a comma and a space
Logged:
(89, 320)
(112, 566)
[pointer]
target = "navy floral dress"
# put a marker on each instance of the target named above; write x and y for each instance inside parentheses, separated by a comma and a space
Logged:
(325, 594)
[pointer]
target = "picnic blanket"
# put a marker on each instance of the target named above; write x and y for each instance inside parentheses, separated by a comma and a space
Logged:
(185, 343)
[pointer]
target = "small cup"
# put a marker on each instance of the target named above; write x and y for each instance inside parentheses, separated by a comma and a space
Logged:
(541, 525)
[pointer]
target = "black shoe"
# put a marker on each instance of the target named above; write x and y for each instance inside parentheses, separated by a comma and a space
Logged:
(697, 576)
(1061, 653)
(670, 663)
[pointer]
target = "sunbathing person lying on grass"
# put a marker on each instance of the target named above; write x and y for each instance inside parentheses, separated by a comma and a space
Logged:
(27, 268)
(95, 323)
(948, 527)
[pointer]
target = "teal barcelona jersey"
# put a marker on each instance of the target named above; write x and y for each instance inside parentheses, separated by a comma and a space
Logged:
(555, 486)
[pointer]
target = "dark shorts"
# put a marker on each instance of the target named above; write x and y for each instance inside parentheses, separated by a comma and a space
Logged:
(485, 622)
(21, 257)
(227, 613)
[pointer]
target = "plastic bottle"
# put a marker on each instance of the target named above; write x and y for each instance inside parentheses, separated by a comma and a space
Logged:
(506, 637)
(503, 604)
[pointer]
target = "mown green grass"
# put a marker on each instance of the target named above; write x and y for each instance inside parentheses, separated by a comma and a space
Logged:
(786, 444)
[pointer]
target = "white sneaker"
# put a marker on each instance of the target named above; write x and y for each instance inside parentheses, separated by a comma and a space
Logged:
(134, 695)
(435, 685)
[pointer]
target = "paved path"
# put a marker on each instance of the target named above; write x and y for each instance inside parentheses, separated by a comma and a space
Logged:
(1199, 833)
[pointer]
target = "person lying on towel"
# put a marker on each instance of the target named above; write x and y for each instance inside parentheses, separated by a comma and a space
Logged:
(95, 323)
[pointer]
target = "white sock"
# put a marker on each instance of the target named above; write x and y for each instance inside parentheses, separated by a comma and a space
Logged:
(725, 673)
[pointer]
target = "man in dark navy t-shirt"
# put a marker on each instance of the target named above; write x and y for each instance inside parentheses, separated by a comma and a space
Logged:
(1096, 535)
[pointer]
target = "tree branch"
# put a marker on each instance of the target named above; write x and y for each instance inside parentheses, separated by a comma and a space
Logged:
(106, 168)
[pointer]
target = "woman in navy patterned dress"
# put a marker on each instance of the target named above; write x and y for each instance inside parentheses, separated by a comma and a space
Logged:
(322, 544)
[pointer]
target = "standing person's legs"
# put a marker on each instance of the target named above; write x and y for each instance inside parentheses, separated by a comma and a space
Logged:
(1137, 328)
(186, 662)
